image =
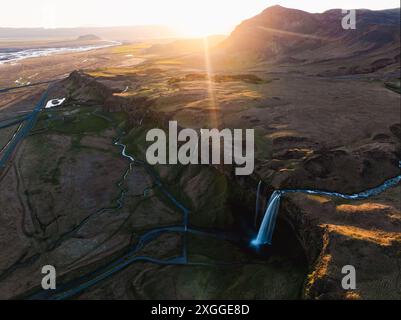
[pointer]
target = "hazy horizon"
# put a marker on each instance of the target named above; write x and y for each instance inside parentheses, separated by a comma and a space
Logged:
(186, 17)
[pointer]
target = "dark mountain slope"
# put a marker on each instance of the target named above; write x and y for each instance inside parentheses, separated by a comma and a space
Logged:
(288, 35)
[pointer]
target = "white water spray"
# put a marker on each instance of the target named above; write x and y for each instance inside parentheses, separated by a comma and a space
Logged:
(266, 229)
(268, 224)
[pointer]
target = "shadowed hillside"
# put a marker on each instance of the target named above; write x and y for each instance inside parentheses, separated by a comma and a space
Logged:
(288, 35)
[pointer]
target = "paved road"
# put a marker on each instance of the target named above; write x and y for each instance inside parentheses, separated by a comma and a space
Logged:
(24, 131)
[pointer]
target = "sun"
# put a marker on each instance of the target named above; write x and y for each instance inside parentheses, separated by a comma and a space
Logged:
(198, 31)
(201, 18)
(201, 28)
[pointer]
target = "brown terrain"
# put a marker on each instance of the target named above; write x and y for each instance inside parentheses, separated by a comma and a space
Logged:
(325, 106)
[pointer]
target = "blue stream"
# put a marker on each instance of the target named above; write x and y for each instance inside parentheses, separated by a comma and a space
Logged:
(78, 285)
(268, 224)
(264, 236)
(81, 284)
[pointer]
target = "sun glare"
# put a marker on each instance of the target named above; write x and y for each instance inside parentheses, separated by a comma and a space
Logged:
(198, 30)
(202, 19)
(210, 87)
(189, 17)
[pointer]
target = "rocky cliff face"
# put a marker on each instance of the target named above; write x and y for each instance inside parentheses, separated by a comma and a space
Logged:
(364, 235)
(333, 233)
(81, 87)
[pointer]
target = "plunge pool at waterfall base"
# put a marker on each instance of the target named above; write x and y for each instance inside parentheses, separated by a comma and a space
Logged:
(287, 255)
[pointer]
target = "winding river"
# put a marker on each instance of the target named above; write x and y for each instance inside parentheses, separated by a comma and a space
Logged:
(268, 224)
(263, 237)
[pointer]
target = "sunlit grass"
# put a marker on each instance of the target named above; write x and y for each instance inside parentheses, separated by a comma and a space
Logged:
(111, 72)
(319, 199)
(375, 236)
(168, 62)
(131, 49)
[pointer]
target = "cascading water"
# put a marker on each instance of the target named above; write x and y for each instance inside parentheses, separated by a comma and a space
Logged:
(268, 224)
(269, 220)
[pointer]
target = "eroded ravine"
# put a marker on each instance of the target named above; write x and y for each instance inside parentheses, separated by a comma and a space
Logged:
(77, 286)
(81, 284)
(266, 229)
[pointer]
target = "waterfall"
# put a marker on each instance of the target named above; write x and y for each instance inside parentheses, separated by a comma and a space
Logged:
(266, 229)
(268, 224)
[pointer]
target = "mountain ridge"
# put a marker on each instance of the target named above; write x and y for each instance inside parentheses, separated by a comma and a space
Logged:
(280, 33)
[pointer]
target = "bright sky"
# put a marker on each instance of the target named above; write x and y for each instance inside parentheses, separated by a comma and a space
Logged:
(190, 17)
